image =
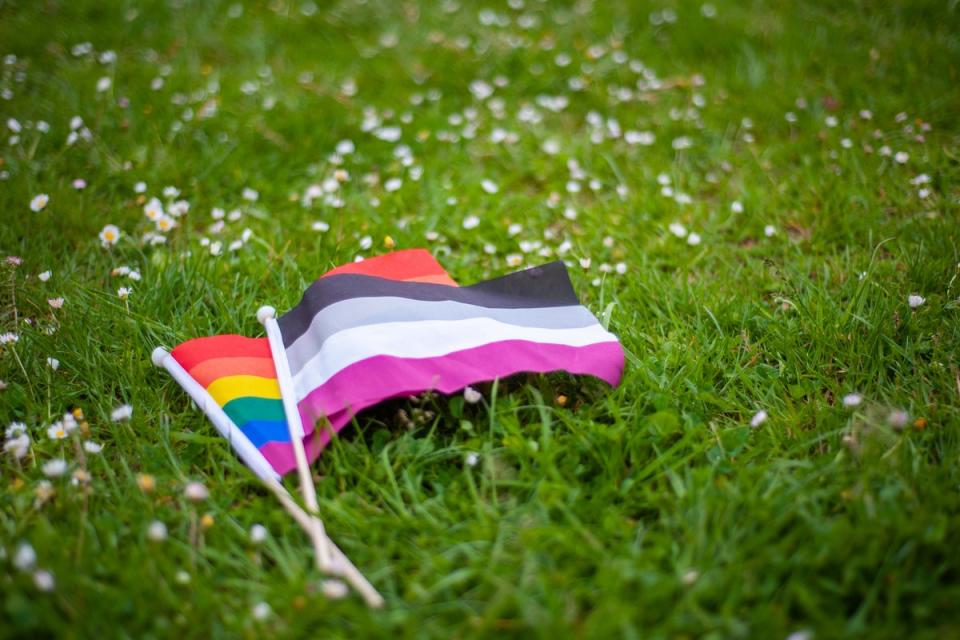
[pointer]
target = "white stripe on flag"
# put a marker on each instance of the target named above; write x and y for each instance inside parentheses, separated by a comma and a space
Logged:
(427, 339)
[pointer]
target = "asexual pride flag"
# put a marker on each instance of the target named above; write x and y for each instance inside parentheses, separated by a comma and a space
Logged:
(395, 326)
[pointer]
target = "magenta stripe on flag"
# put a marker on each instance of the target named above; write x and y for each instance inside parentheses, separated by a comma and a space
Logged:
(397, 377)
(375, 379)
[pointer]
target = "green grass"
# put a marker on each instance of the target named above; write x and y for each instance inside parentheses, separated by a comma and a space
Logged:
(653, 510)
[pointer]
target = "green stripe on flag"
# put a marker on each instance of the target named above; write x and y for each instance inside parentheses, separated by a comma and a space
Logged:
(243, 410)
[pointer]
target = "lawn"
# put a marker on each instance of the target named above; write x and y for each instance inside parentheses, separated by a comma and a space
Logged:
(760, 198)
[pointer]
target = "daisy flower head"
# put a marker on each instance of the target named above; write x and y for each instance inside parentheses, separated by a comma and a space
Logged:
(261, 611)
(334, 589)
(165, 223)
(121, 413)
(153, 209)
(24, 557)
(109, 235)
(57, 431)
(39, 202)
(92, 447)
(146, 482)
(55, 468)
(18, 445)
(852, 400)
(123, 293)
(258, 534)
(179, 208)
(157, 531)
(44, 581)
(915, 301)
(15, 429)
(759, 418)
(196, 491)
(489, 186)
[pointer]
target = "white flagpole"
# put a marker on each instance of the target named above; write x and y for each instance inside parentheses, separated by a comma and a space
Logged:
(252, 457)
(341, 563)
(268, 318)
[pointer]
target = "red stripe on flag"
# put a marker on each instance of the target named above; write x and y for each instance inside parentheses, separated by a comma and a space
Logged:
(409, 264)
(193, 352)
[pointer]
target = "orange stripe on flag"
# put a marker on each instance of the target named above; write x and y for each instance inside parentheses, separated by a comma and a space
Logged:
(209, 370)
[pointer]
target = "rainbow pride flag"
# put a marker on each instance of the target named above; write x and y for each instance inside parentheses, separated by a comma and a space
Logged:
(239, 376)
(387, 327)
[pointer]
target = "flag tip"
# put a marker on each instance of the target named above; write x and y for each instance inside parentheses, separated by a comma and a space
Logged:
(158, 356)
(265, 313)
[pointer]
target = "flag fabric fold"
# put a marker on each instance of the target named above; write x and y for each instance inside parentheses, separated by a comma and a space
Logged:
(395, 326)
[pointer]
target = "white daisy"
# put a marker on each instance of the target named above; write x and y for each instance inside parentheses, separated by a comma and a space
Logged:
(489, 186)
(471, 395)
(196, 491)
(157, 531)
(57, 431)
(24, 557)
(258, 534)
(758, 418)
(109, 235)
(261, 611)
(678, 229)
(54, 468)
(121, 413)
(852, 400)
(39, 202)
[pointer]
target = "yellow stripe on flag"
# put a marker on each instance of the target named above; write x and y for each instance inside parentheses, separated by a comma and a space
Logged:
(230, 388)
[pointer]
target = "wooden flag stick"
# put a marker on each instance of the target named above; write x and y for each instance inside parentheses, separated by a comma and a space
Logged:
(255, 461)
(268, 318)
